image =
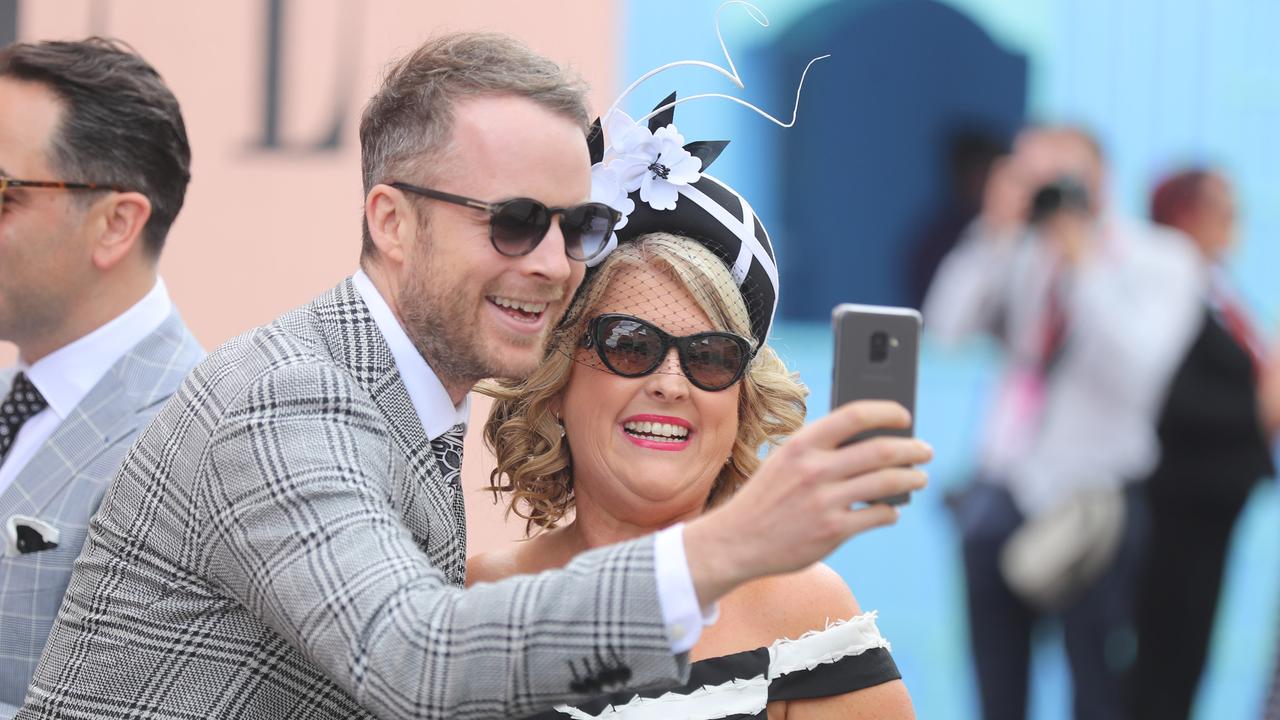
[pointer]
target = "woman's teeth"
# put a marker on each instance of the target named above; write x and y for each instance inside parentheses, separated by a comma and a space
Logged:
(660, 432)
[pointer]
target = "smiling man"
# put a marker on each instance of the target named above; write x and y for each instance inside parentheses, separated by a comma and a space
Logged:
(287, 540)
(93, 170)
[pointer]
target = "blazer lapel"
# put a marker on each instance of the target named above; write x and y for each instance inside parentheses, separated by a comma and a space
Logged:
(148, 374)
(423, 498)
(79, 438)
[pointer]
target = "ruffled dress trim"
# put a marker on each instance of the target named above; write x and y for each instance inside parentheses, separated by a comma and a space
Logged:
(844, 657)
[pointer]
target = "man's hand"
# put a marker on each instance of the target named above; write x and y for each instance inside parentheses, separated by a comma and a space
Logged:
(1005, 200)
(799, 506)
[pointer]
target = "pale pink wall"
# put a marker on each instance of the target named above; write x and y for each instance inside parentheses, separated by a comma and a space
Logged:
(262, 232)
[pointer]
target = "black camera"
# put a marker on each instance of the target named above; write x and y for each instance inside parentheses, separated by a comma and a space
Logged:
(1064, 194)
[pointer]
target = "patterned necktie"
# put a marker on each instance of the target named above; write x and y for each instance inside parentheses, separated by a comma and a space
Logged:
(1053, 325)
(448, 451)
(23, 401)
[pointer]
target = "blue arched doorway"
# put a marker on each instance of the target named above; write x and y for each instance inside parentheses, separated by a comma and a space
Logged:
(878, 117)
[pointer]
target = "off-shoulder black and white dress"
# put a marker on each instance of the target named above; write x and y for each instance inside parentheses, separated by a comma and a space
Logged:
(847, 656)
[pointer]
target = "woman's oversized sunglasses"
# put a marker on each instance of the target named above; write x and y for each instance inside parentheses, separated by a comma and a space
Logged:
(516, 226)
(631, 347)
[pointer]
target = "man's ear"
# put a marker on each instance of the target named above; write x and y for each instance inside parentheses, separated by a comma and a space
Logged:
(392, 222)
(119, 220)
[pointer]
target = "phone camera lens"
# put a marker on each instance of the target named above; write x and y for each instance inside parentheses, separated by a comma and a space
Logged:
(879, 347)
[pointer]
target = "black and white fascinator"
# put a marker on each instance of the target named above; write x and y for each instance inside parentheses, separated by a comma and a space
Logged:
(647, 171)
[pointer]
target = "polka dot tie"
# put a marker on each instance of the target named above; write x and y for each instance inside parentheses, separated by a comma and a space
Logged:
(23, 401)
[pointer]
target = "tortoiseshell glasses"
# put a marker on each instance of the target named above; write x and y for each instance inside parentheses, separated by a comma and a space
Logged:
(7, 182)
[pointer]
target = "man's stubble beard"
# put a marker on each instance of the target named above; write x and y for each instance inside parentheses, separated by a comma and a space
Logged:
(444, 324)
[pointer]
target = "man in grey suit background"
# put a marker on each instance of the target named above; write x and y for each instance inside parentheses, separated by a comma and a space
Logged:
(93, 169)
(287, 539)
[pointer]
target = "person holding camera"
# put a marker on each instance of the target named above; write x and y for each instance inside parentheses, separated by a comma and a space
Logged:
(1092, 314)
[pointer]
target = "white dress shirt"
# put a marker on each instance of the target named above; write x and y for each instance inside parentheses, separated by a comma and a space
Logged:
(1133, 308)
(681, 613)
(67, 374)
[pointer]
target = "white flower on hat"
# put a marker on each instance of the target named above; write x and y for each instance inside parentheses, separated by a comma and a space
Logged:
(606, 187)
(655, 163)
(671, 167)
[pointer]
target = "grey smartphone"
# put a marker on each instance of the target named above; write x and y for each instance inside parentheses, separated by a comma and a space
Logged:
(877, 351)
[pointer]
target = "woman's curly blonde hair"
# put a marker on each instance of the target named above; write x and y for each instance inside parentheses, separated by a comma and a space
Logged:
(533, 460)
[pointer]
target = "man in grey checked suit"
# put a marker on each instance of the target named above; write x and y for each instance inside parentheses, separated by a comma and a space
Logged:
(287, 540)
(100, 345)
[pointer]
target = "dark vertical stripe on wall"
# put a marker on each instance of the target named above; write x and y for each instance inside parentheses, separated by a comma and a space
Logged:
(8, 21)
(271, 112)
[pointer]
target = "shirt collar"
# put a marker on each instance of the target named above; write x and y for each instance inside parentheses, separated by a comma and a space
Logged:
(65, 376)
(1221, 288)
(430, 400)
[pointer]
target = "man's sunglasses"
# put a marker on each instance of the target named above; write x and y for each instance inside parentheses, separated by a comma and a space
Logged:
(516, 226)
(8, 182)
(632, 347)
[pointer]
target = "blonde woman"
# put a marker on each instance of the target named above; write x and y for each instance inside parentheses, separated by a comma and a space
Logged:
(652, 406)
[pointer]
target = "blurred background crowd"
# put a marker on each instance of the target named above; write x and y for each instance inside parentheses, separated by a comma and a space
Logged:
(1080, 194)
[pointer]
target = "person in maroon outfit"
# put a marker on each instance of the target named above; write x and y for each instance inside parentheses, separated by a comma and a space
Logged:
(1216, 433)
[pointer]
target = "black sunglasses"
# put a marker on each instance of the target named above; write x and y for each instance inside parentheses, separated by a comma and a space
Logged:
(632, 347)
(516, 226)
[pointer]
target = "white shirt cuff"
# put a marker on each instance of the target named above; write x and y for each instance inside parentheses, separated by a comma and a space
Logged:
(681, 615)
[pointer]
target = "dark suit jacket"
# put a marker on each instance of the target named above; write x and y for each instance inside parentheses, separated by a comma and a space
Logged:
(1213, 447)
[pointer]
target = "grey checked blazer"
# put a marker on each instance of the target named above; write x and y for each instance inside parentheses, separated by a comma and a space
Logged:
(281, 544)
(63, 483)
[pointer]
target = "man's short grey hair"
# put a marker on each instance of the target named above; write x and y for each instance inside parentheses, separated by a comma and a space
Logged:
(409, 120)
